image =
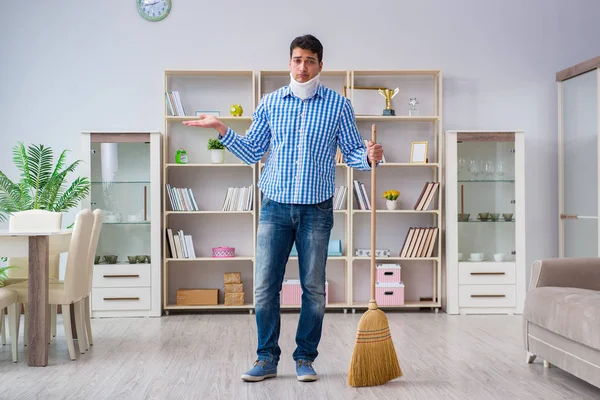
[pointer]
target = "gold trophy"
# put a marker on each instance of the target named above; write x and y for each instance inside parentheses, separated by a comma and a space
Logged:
(389, 95)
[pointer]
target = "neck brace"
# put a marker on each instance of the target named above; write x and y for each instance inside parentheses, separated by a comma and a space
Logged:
(304, 90)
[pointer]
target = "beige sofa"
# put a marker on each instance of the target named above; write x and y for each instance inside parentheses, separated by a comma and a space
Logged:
(562, 316)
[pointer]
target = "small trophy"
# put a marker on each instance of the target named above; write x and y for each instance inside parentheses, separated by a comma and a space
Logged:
(389, 95)
(413, 112)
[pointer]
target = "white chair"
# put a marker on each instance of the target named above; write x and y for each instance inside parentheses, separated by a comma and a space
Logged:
(98, 220)
(27, 221)
(8, 299)
(75, 285)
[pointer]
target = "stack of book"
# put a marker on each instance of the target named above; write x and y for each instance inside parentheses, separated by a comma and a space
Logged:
(339, 198)
(239, 199)
(360, 195)
(419, 242)
(174, 103)
(180, 245)
(181, 199)
(426, 196)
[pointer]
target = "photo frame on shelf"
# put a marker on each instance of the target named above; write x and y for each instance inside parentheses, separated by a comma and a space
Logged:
(418, 152)
(208, 112)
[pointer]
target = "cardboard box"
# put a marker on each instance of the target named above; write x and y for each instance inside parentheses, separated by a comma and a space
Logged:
(234, 299)
(234, 287)
(232, 277)
(197, 297)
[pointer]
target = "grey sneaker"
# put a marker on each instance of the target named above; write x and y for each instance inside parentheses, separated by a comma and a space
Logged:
(305, 371)
(261, 369)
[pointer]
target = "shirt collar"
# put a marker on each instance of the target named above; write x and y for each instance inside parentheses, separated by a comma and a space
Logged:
(320, 91)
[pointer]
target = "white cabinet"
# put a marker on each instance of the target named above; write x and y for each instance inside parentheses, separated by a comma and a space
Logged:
(485, 222)
(124, 169)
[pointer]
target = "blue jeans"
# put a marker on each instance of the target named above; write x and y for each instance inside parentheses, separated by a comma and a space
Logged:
(280, 225)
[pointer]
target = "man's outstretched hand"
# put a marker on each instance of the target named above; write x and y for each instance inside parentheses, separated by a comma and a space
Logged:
(208, 121)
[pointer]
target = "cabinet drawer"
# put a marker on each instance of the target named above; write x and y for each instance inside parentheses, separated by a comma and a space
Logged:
(490, 273)
(109, 299)
(121, 275)
(487, 296)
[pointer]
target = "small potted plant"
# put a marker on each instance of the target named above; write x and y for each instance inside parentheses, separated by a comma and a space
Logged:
(391, 197)
(217, 151)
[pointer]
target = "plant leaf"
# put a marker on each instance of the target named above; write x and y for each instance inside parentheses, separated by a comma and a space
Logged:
(54, 187)
(78, 190)
(40, 169)
(13, 197)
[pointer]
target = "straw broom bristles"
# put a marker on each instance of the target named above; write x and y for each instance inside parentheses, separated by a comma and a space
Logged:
(374, 360)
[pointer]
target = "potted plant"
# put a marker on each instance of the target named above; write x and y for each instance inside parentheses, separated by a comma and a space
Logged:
(217, 151)
(391, 197)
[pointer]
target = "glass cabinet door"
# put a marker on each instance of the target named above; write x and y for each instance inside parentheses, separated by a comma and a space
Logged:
(486, 197)
(120, 178)
(579, 169)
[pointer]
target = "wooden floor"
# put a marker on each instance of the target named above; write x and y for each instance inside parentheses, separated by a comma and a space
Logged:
(201, 356)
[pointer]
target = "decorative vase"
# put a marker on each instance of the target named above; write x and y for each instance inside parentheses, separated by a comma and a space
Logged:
(217, 156)
(391, 204)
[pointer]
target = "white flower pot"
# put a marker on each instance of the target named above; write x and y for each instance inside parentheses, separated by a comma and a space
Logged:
(391, 204)
(217, 156)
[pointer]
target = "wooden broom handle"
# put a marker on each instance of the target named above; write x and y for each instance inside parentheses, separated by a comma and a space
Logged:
(373, 228)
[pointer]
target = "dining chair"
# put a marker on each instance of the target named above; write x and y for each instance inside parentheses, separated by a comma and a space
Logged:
(8, 299)
(74, 288)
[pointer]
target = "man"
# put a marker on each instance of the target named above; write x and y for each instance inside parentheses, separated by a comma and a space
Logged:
(301, 125)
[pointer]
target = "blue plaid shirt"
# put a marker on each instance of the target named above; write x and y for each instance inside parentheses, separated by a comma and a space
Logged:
(302, 138)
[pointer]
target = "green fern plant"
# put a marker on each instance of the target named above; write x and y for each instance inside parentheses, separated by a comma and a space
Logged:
(42, 183)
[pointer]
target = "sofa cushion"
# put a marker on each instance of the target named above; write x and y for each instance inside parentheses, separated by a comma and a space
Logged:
(570, 312)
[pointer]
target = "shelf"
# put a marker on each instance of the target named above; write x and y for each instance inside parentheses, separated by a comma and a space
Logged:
(121, 183)
(488, 181)
(207, 212)
(208, 73)
(127, 223)
(262, 164)
(432, 72)
(172, 118)
(208, 307)
(240, 165)
(396, 212)
(485, 222)
(298, 306)
(387, 165)
(329, 258)
(198, 259)
(396, 118)
(407, 304)
(398, 258)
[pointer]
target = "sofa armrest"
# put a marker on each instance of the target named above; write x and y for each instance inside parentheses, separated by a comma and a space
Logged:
(577, 272)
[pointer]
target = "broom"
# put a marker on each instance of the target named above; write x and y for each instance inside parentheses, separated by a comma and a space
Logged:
(374, 360)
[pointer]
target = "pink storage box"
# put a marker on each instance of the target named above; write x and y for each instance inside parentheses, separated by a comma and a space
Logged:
(223, 252)
(388, 273)
(389, 294)
(291, 292)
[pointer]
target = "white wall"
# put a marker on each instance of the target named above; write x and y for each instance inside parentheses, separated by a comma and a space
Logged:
(74, 65)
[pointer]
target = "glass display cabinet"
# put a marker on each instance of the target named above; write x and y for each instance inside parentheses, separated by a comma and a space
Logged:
(485, 222)
(124, 171)
(578, 167)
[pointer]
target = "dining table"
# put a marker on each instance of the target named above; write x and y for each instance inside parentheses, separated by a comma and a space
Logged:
(37, 246)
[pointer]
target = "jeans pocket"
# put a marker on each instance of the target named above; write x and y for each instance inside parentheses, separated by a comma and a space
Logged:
(325, 206)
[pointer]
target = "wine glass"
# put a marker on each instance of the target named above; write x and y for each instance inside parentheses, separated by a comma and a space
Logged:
(500, 168)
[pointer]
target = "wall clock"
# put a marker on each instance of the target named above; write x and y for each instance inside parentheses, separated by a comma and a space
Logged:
(153, 10)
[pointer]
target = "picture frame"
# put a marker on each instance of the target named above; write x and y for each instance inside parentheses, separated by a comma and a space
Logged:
(418, 152)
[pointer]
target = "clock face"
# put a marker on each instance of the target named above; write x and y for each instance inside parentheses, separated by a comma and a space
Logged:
(154, 10)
